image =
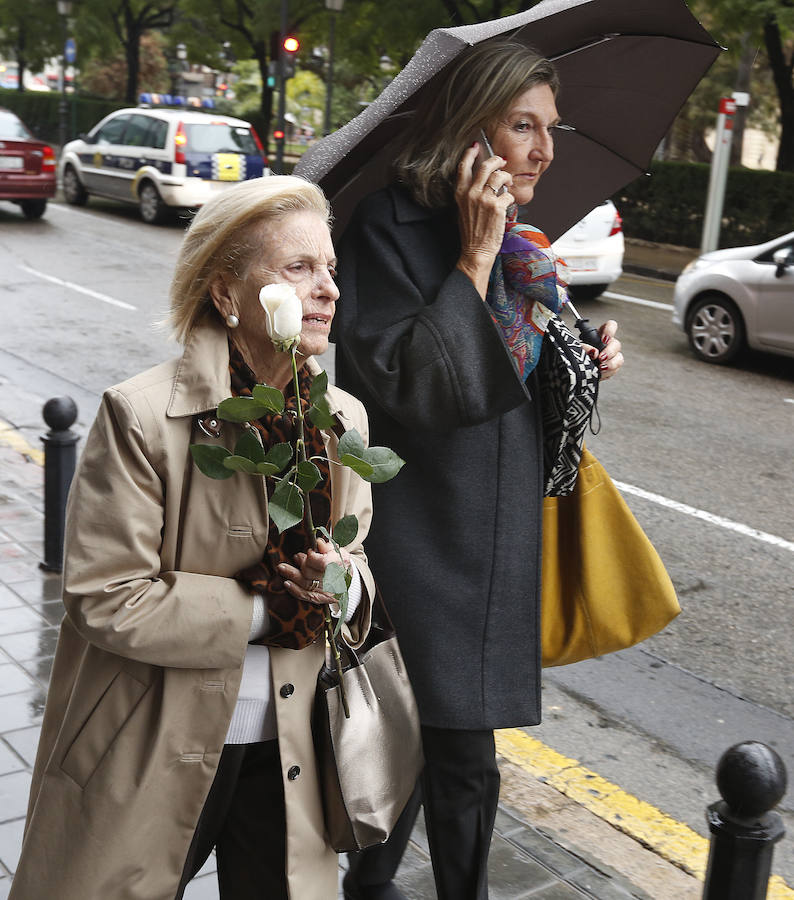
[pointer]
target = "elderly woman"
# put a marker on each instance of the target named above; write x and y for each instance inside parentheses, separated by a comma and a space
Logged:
(427, 338)
(178, 717)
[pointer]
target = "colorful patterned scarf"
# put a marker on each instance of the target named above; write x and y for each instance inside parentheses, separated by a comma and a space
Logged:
(294, 623)
(525, 287)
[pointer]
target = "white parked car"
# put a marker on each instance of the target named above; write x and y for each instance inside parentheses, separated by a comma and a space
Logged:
(593, 251)
(742, 296)
(161, 158)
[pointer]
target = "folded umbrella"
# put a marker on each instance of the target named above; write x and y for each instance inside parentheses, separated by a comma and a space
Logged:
(626, 68)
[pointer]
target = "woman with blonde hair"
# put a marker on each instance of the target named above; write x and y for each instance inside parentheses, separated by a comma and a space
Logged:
(445, 299)
(178, 716)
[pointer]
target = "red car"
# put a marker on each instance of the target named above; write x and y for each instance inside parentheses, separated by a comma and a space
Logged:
(27, 167)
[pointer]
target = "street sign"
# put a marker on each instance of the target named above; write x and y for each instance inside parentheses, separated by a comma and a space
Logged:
(70, 51)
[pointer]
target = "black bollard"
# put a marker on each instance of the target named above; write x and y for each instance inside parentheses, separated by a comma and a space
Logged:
(60, 451)
(751, 778)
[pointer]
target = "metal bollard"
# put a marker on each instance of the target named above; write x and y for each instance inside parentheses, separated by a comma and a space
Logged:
(751, 778)
(60, 413)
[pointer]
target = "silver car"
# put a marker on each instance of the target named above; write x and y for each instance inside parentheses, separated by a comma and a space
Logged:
(740, 297)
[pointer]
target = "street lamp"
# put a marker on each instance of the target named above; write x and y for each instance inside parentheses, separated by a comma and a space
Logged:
(181, 55)
(334, 7)
(64, 11)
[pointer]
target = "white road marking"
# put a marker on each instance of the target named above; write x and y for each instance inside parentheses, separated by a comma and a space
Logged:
(79, 288)
(687, 510)
(640, 301)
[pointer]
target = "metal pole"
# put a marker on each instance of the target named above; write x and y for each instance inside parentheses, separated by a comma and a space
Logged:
(62, 106)
(330, 83)
(712, 218)
(60, 452)
(282, 91)
(751, 778)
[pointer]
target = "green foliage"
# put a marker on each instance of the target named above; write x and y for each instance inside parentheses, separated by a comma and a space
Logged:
(345, 530)
(210, 458)
(668, 207)
(373, 464)
(39, 111)
(286, 505)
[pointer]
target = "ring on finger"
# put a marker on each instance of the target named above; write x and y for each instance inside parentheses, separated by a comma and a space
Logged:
(492, 188)
(314, 585)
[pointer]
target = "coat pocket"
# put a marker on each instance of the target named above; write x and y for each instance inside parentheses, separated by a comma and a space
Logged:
(101, 728)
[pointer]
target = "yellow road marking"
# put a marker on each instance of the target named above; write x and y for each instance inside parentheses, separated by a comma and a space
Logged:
(671, 839)
(12, 438)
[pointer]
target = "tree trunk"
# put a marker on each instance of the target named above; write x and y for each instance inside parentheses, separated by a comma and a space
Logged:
(781, 73)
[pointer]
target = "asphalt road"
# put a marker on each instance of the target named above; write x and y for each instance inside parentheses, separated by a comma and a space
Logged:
(81, 288)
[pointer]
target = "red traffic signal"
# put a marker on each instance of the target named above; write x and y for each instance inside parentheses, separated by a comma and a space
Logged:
(291, 45)
(278, 134)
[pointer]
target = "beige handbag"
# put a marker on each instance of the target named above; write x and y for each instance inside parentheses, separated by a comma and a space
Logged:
(369, 763)
(604, 586)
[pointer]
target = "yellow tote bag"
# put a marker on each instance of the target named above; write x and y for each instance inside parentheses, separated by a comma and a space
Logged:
(604, 586)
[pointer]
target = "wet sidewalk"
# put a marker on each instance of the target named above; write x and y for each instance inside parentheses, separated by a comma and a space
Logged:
(526, 861)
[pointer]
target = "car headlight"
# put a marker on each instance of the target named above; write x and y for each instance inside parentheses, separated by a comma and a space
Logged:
(698, 263)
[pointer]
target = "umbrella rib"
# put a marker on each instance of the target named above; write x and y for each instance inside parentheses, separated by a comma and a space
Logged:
(641, 169)
(629, 34)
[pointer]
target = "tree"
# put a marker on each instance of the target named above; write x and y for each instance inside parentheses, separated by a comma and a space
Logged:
(759, 34)
(107, 23)
(30, 33)
(104, 76)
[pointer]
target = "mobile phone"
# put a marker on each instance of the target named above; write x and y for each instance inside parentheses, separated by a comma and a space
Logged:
(486, 151)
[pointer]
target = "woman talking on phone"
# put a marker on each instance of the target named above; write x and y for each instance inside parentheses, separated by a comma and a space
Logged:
(425, 340)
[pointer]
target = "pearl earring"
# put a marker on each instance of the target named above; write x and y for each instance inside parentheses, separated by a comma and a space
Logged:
(232, 321)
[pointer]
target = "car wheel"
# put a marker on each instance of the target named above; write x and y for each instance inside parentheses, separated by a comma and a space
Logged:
(715, 329)
(587, 291)
(33, 209)
(153, 210)
(73, 190)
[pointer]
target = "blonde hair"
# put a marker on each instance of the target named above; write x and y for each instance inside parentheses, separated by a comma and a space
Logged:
(224, 236)
(481, 86)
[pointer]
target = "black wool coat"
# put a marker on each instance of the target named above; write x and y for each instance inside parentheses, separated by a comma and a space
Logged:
(455, 539)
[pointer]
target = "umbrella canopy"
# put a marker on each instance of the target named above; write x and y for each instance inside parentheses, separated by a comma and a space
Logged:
(626, 67)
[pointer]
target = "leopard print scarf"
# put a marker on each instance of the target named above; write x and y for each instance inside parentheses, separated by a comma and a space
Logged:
(295, 623)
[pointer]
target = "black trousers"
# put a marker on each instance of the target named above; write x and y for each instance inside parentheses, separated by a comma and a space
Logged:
(245, 821)
(460, 791)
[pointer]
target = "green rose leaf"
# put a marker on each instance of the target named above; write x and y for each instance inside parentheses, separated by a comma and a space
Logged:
(345, 530)
(279, 455)
(351, 443)
(308, 475)
(319, 412)
(241, 409)
(334, 579)
(250, 447)
(359, 466)
(320, 415)
(385, 464)
(266, 468)
(318, 387)
(240, 464)
(209, 460)
(286, 505)
(270, 397)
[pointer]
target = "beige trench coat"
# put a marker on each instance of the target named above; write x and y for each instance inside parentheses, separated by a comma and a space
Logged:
(149, 658)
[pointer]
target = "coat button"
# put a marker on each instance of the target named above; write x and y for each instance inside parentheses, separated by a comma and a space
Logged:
(287, 690)
(293, 772)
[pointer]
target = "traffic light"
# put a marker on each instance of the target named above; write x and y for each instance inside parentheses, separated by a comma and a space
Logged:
(289, 48)
(278, 135)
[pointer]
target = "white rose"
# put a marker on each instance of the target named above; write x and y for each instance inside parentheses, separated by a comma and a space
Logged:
(284, 312)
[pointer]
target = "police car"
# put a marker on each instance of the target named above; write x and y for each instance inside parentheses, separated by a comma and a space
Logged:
(160, 159)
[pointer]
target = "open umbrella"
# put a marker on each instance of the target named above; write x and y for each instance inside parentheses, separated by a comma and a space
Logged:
(626, 67)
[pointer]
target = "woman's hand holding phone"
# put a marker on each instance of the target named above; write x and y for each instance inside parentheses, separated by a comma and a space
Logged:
(482, 194)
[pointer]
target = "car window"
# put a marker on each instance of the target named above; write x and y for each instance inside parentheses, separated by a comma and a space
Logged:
(218, 137)
(11, 127)
(111, 132)
(158, 133)
(137, 133)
